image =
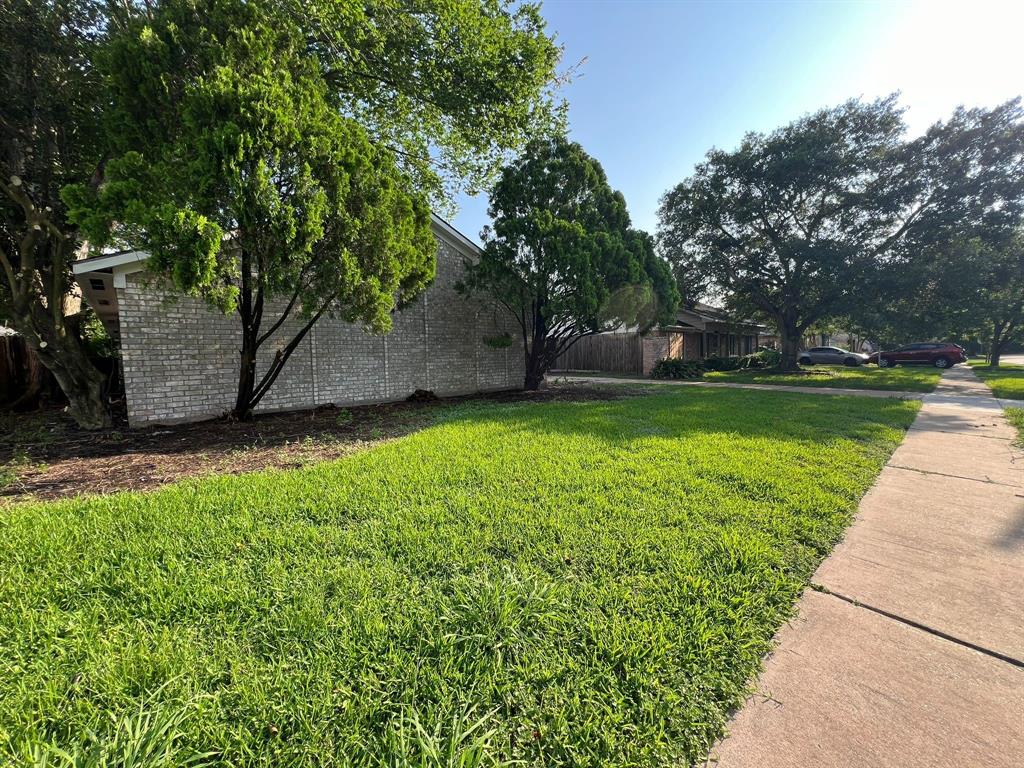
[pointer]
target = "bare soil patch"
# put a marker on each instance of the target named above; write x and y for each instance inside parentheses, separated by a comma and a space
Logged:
(43, 455)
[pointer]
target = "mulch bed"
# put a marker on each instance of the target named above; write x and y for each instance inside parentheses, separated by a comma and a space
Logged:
(43, 455)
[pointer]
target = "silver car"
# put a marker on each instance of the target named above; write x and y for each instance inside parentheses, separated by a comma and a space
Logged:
(831, 356)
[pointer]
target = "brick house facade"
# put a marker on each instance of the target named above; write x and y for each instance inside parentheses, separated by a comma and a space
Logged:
(180, 357)
(699, 332)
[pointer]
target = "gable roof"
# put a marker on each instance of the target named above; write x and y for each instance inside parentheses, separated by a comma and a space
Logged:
(702, 317)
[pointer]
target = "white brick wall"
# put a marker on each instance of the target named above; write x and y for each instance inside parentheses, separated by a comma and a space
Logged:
(181, 358)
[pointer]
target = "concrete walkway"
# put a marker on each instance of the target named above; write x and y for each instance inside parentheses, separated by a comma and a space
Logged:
(909, 649)
(809, 390)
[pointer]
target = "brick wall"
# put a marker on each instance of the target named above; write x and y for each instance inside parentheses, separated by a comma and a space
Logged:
(180, 357)
(659, 345)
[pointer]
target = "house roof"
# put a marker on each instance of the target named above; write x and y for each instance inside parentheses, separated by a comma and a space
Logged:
(703, 317)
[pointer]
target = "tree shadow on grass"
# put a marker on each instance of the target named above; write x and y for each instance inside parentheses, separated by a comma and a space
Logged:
(680, 412)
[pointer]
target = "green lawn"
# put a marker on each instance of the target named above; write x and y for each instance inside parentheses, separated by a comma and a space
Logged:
(903, 378)
(588, 584)
(1005, 381)
(1016, 417)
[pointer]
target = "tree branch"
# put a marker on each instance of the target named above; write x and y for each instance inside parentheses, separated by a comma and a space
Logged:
(282, 357)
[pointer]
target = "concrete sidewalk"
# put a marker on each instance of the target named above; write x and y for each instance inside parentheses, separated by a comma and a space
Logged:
(808, 390)
(909, 649)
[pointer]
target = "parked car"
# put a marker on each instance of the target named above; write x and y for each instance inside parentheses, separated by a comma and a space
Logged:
(831, 356)
(941, 354)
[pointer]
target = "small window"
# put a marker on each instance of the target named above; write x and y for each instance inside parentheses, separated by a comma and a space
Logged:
(104, 302)
(97, 284)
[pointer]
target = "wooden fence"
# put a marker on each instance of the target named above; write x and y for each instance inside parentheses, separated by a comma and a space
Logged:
(613, 352)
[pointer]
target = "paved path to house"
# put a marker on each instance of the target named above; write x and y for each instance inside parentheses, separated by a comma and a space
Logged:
(572, 379)
(909, 650)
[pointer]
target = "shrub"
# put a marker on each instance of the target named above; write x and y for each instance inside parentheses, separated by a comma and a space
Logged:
(722, 363)
(764, 358)
(501, 341)
(677, 369)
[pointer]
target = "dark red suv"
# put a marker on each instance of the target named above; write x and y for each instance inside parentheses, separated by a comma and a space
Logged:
(937, 353)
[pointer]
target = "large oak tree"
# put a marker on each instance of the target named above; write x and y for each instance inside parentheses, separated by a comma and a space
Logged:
(562, 257)
(968, 289)
(793, 225)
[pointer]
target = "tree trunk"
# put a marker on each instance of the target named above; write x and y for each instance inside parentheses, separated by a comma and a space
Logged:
(250, 390)
(996, 349)
(535, 369)
(82, 382)
(534, 378)
(57, 344)
(536, 356)
(246, 377)
(996, 353)
(251, 315)
(790, 347)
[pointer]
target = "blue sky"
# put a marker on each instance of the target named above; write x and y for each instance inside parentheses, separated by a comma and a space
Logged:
(663, 82)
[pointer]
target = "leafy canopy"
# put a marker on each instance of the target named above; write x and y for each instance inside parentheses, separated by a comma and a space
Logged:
(233, 167)
(969, 289)
(451, 86)
(51, 135)
(785, 223)
(795, 224)
(561, 255)
(232, 147)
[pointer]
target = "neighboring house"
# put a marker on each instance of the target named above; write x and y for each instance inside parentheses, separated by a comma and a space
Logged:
(844, 339)
(180, 357)
(700, 331)
(711, 332)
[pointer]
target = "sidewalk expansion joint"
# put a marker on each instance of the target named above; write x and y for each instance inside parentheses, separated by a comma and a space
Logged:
(923, 627)
(964, 434)
(955, 477)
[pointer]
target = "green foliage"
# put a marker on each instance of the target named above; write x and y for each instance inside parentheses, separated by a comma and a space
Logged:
(97, 340)
(561, 255)
(679, 369)
(1016, 418)
(674, 368)
(559, 583)
(232, 147)
(452, 86)
(763, 358)
(800, 225)
(963, 289)
(501, 341)
(50, 131)
(238, 173)
(143, 739)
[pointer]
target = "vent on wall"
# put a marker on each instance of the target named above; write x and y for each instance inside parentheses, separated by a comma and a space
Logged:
(97, 284)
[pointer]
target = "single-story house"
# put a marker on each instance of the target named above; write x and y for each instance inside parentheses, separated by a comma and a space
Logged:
(712, 332)
(698, 332)
(180, 357)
